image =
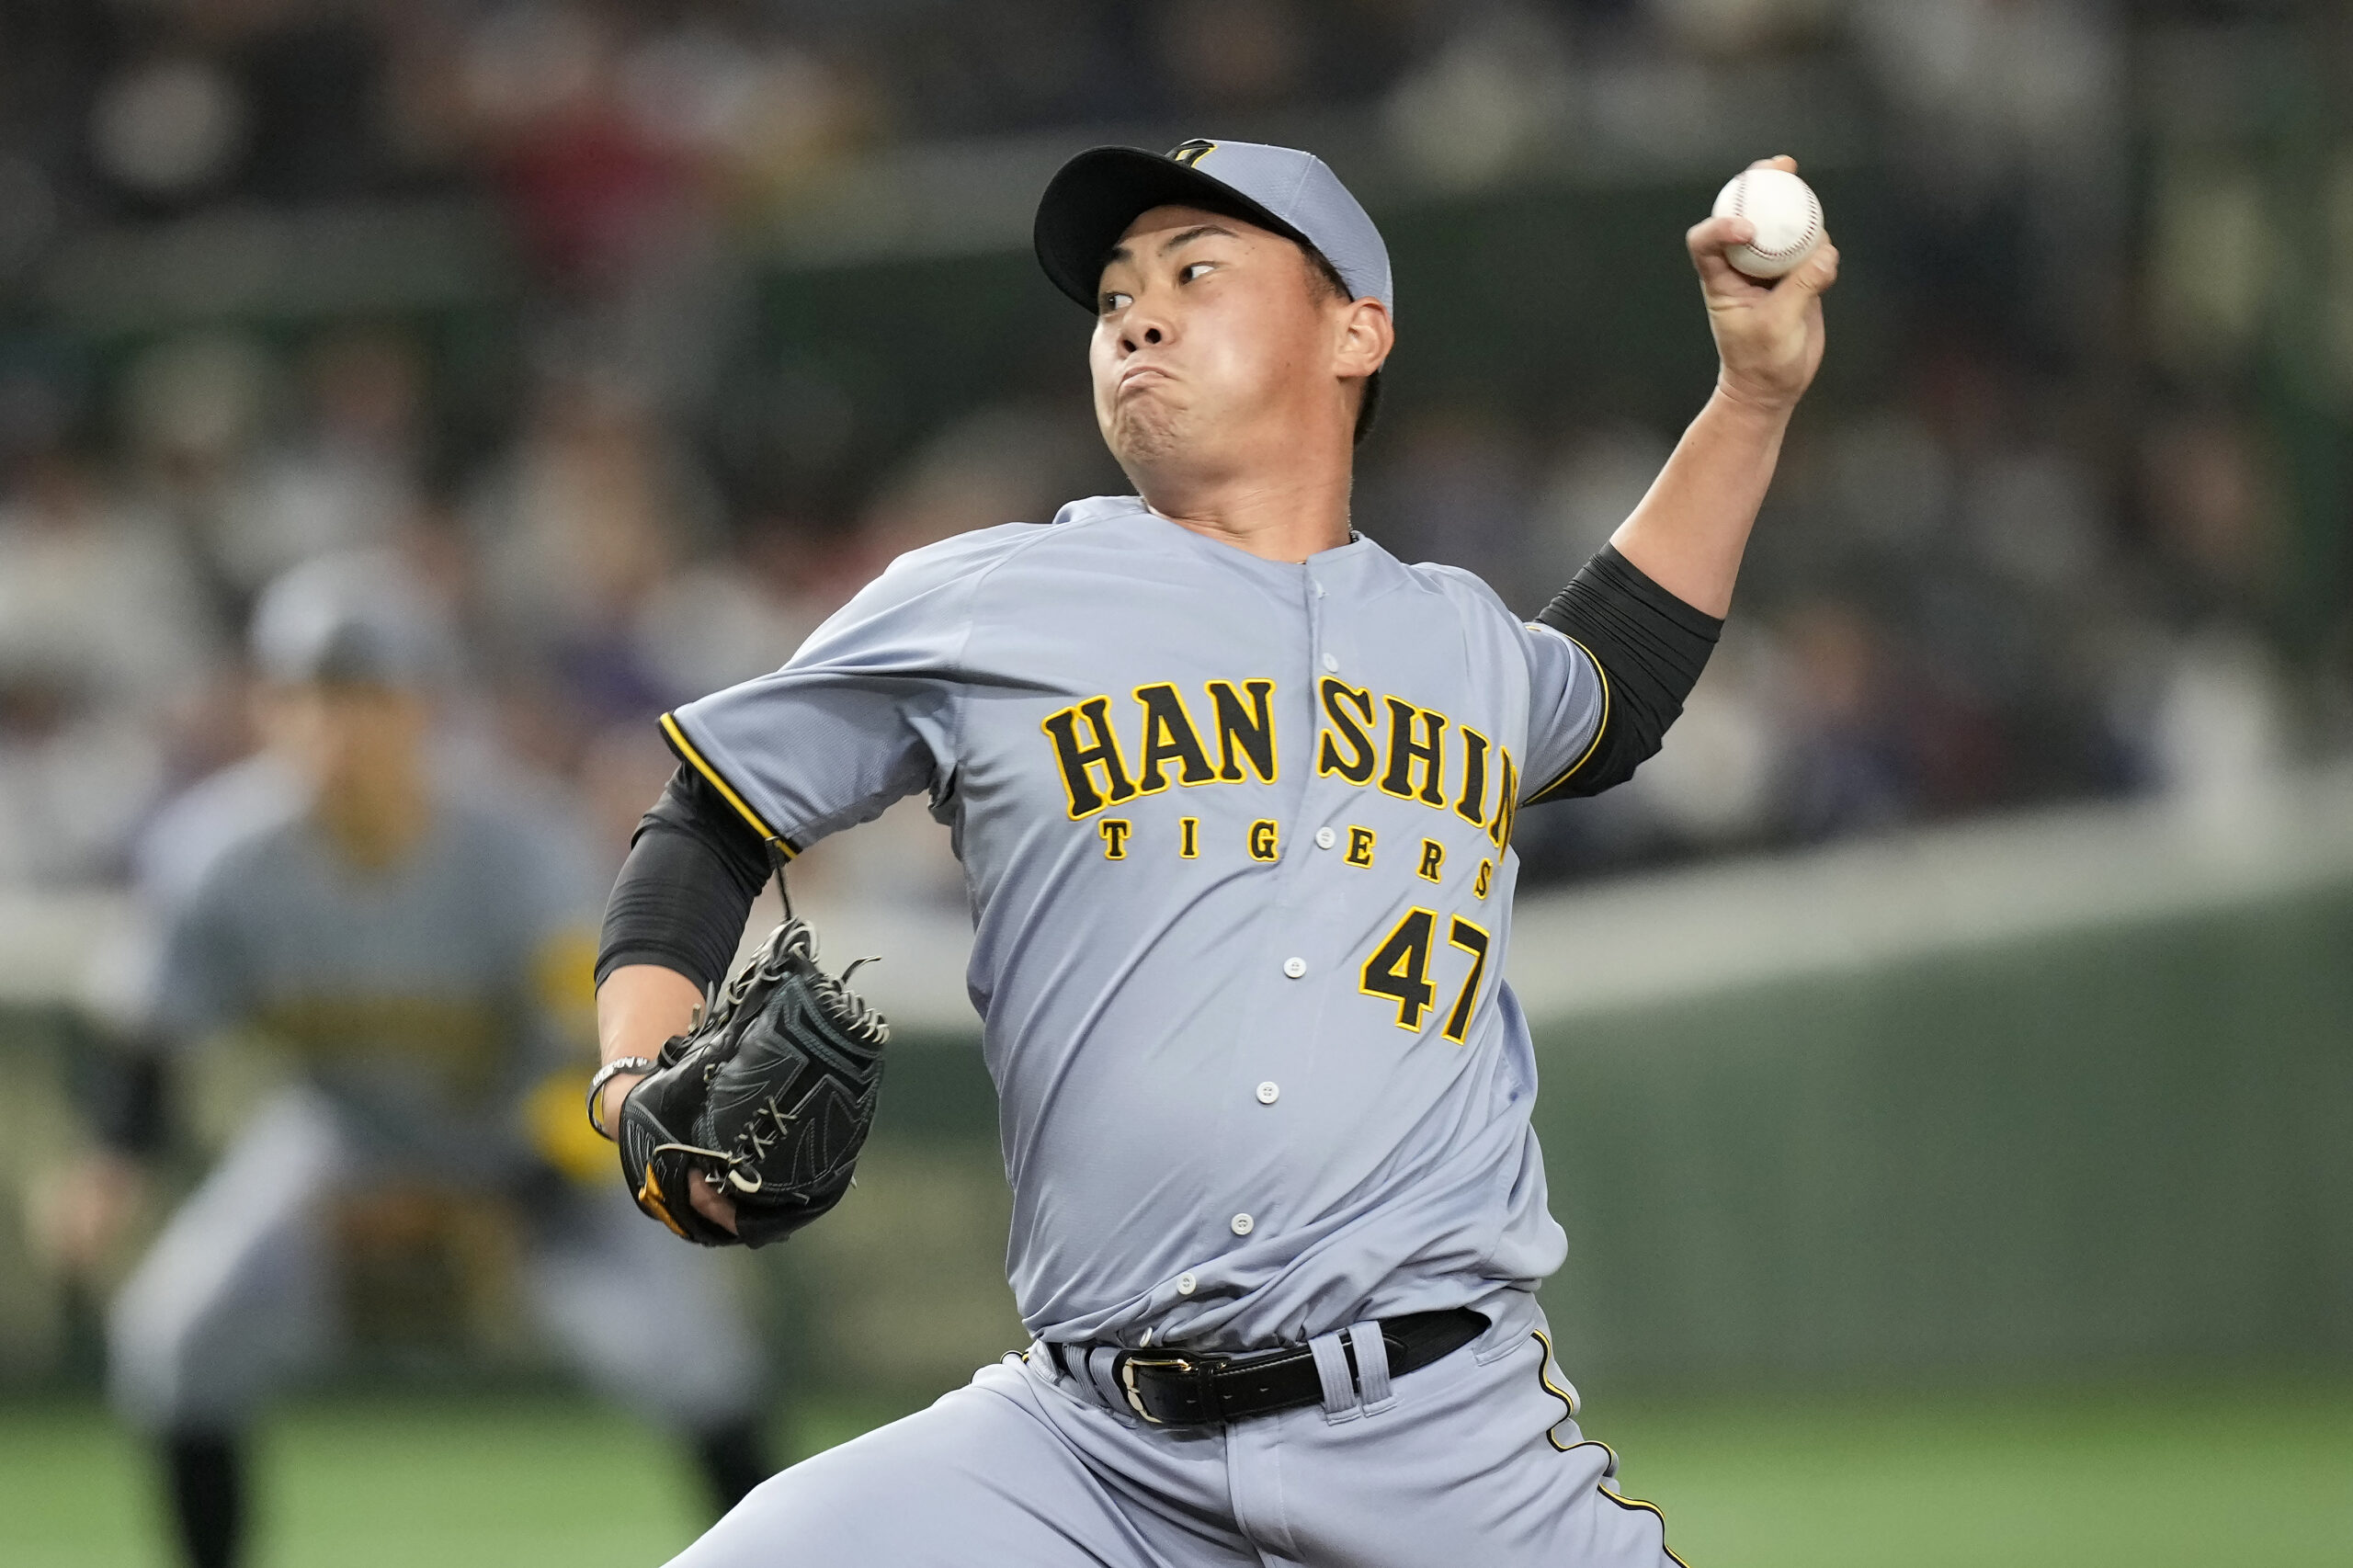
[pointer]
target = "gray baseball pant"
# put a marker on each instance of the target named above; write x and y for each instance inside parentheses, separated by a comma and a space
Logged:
(1473, 1459)
(236, 1296)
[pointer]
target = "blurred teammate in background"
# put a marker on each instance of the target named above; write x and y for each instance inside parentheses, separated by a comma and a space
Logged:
(415, 949)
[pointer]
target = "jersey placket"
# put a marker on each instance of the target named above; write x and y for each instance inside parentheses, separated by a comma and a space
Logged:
(1264, 1070)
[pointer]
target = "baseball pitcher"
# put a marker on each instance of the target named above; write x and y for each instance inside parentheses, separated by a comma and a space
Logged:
(1233, 789)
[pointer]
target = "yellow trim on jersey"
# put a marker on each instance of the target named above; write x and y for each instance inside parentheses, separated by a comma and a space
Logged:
(686, 748)
(1599, 730)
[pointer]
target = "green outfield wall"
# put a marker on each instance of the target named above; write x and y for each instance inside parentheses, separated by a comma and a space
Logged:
(2132, 1145)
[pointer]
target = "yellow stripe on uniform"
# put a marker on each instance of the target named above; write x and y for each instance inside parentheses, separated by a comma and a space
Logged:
(1652, 1509)
(686, 748)
(1599, 730)
(1544, 1376)
(1568, 1401)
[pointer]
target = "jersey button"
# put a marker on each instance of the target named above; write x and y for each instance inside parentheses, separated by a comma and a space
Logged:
(1331, 666)
(1186, 1284)
(1242, 1224)
(1294, 967)
(1325, 838)
(1269, 1092)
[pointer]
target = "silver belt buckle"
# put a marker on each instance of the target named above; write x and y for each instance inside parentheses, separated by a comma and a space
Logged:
(1128, 1380)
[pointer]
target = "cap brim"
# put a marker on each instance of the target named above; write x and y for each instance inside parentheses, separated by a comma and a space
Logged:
(1092, 200)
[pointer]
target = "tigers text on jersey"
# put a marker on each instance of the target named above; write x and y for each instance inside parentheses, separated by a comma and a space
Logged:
(1237, 838)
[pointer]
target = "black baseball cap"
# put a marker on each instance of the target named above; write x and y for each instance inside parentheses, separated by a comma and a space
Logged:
(1092, 200)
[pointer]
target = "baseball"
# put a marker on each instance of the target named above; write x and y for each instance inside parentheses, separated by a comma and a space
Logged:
(1788, 216)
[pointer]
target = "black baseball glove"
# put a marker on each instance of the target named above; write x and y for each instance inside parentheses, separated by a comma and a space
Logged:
(769, 1094)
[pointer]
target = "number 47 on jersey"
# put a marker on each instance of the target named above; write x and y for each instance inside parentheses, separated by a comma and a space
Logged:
(1399, 971)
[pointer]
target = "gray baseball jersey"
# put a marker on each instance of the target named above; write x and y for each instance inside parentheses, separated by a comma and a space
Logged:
(1237, 838)
(418, 999)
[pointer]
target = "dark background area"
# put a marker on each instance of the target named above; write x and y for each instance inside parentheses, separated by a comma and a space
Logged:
(279, 277)
(639, 335)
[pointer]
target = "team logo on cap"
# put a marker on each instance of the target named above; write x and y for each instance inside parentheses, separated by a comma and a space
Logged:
(1191, 152)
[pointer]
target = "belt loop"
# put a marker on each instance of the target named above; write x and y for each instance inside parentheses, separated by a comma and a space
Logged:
(1372, 1366)
(1332, 1369)
(1102, 1375)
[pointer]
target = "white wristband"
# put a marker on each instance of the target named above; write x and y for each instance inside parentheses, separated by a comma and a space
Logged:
(605, 1075)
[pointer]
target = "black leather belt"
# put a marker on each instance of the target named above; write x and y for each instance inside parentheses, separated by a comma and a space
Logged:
(1200, 1388)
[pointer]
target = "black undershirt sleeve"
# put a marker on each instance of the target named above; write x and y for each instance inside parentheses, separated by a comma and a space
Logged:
(1651, 647)
(693, 868)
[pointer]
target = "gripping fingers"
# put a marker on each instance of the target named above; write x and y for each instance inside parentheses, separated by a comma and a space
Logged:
(1820, 272)
(711, 1203)
(1719, 277)
(1708, 240)
(1710, 236)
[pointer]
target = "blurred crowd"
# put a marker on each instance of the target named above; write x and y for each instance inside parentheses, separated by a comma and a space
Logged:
(2038, 554)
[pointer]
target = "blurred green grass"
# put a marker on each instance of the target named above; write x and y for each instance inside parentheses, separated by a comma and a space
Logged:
(2153, 1477)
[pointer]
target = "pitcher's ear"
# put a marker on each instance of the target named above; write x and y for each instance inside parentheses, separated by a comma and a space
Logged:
(1365, 338)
